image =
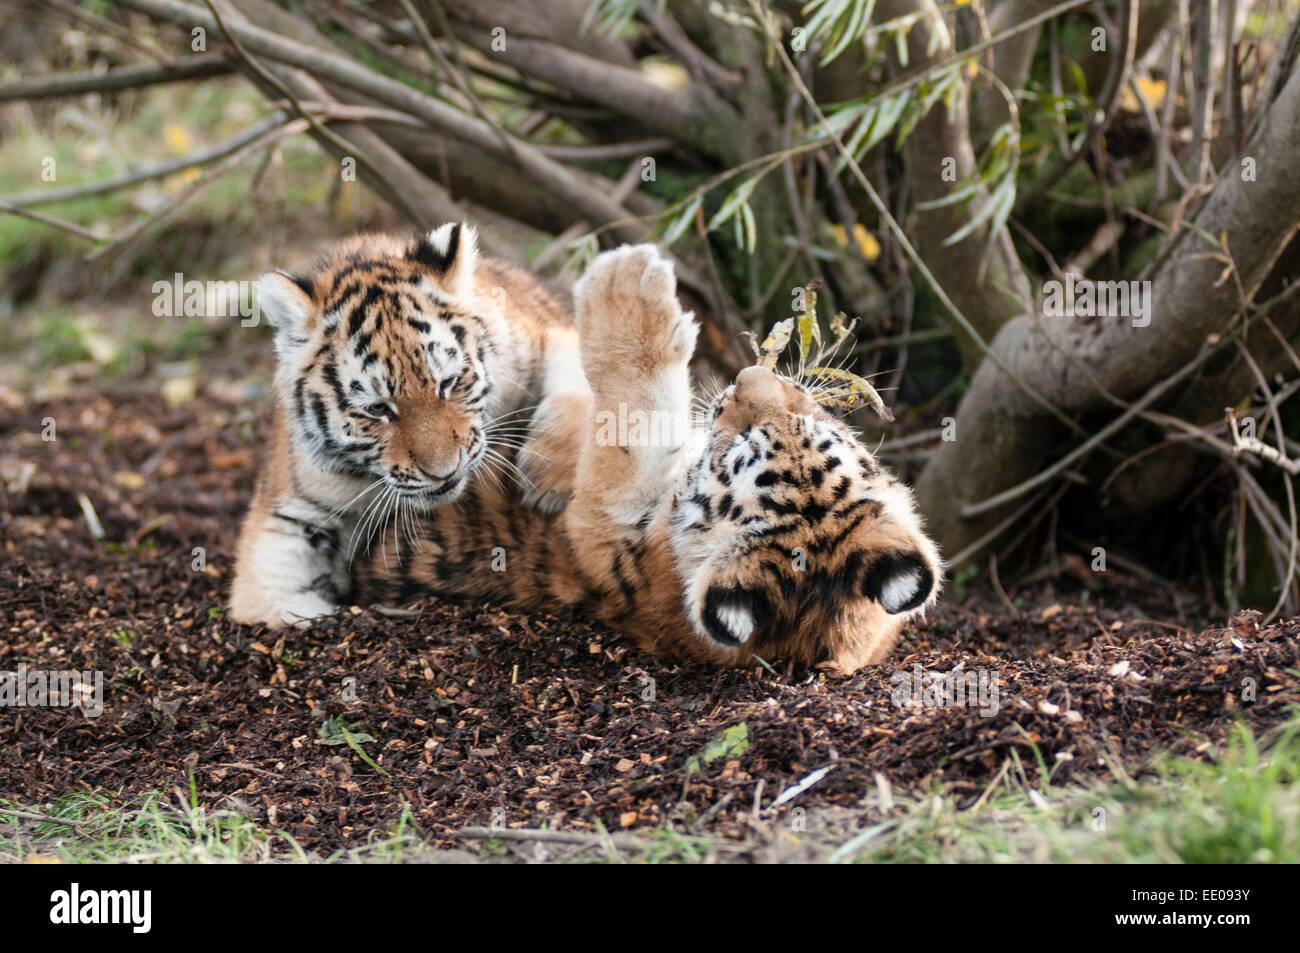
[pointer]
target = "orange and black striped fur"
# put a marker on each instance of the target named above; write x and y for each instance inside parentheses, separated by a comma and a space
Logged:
(402, 368)
(767, 530)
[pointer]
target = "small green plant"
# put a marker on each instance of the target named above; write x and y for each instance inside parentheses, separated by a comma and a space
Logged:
(336, 731)
(730, 743)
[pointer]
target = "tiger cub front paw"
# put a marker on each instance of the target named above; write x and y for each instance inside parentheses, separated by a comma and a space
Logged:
(277, 610)
(627, 313)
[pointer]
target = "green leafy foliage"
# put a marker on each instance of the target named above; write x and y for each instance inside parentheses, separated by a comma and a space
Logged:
(839, 22)
(610, 16)
(736, 206)
(996, 174)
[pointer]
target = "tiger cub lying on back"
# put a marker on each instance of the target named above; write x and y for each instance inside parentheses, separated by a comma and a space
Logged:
(400, 364)
(768, 531)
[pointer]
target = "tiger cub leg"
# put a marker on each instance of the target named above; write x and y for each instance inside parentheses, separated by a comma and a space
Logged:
(548, 457)
(290, 566)
(636, 345)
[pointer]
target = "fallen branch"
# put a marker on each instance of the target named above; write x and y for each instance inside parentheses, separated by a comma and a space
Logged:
(1217, 262)
(397, 180)
(1135, 409)
(132, 234)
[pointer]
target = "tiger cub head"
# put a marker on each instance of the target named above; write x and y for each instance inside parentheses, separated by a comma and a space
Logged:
(385, 355)
(792, 540)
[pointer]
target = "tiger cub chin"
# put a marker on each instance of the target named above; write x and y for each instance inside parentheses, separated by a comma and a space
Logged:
(402, 367)
(768, 530)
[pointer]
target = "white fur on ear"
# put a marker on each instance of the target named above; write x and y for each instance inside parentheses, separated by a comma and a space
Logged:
(738, 621)
(287, 308)
(455, 254)
(900, 590)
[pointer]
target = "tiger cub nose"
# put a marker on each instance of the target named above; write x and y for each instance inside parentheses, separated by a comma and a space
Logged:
(759, 389)
(757, 385)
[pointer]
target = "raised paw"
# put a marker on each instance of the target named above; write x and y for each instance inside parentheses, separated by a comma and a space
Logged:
(627, 311)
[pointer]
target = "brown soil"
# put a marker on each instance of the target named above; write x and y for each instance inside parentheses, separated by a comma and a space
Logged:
(473, 709)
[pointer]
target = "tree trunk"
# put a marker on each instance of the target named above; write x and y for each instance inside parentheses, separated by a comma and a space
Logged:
(1003, 436)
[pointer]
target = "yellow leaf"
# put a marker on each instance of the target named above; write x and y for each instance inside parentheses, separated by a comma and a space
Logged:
(1153, 90)
(847, 388)
(101, 347)
(838, 326)
(178, 181)
(809, 330)
(868, 246)
(177, 138)
(776, 342)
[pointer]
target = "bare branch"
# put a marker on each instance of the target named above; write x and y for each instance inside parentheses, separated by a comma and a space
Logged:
(1205, 40)
(438, 115)
(51, 221)
(145, 173)
(694, 115)
(200, 66)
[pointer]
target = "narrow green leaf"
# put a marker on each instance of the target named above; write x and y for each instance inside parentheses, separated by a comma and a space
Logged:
(677, 227)
(738, 196)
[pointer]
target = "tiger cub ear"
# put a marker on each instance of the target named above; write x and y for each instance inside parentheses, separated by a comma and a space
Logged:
(286, 302)
(450, 252)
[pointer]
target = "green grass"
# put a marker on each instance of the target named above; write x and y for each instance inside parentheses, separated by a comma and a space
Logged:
(160, 828)
(1242, 805)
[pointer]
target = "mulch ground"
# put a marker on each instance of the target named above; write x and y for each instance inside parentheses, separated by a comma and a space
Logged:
(475, 714)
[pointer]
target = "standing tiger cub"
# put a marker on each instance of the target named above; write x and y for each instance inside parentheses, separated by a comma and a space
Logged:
(768, 529)
(401, 365)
